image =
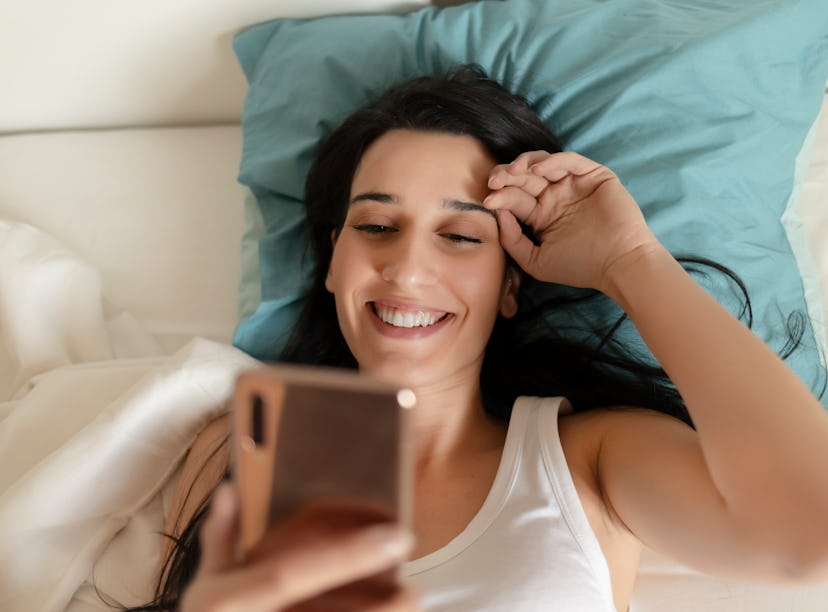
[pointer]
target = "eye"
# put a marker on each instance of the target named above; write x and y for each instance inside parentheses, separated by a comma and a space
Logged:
(372, 228)
(461, 238)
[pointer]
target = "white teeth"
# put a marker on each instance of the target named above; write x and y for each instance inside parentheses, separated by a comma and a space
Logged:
(394, 317)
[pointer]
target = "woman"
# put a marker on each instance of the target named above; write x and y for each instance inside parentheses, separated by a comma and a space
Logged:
(431, 210)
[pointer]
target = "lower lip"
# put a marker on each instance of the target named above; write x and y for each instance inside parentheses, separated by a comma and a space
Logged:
(406, 333)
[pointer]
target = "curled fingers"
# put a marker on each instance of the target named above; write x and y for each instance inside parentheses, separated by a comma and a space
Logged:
(308, 568)
(517, 174)
(302, 559)
(557, 166)
(514, 199)
(219, 533)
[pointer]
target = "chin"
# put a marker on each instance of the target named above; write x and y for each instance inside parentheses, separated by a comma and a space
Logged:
(398, 373)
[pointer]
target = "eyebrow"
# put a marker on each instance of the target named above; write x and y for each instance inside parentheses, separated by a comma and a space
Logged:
(464, 206)
(382, 198)
(460, 205)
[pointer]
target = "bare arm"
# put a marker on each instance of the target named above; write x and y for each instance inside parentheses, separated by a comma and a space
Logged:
(761, 453)
(747, 490)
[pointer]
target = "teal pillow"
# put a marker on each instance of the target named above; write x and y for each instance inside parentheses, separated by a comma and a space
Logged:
(700, 108)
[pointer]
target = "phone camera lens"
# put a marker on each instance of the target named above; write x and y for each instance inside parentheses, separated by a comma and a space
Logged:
(257, 420)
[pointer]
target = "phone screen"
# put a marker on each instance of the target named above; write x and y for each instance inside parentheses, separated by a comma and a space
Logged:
(305, 433)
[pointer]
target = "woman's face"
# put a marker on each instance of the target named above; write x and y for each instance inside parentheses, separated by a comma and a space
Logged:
(418, 272)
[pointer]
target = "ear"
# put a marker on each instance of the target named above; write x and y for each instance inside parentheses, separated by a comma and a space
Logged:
(328, 279)
(511, 287)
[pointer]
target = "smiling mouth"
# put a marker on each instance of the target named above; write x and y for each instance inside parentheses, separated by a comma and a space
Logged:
(407, 318)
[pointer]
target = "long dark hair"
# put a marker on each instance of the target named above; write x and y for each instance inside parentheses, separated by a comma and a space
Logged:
(555, 345)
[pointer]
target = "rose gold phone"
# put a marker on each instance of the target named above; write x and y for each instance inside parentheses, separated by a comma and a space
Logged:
(304, 433)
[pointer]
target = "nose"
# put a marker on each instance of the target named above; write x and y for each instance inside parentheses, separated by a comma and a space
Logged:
(410, 261)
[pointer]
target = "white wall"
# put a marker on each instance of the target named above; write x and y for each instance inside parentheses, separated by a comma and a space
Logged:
(114, 63)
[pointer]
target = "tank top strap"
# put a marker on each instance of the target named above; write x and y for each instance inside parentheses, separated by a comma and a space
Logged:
(544, 421)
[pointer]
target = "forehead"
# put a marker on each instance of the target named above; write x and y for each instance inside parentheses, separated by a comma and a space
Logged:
(401, 157)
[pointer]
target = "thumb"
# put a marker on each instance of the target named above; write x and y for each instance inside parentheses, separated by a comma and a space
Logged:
(516, 243)
(220, 531)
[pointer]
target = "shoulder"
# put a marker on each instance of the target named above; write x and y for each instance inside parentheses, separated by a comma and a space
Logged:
(582, 435)
(597, 425)
(586, 436)
(597, 443)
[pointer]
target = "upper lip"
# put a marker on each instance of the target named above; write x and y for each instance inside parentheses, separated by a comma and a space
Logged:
(406, 305)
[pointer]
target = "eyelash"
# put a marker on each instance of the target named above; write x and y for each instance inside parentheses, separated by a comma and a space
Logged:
(371, 228)
(462, 238)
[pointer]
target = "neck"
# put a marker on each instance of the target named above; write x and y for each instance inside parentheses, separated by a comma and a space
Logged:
(449, 423)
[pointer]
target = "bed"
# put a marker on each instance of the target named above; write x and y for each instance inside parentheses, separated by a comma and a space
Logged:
(121, 269)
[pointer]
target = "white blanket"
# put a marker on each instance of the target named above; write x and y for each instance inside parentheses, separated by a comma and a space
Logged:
(93, 424)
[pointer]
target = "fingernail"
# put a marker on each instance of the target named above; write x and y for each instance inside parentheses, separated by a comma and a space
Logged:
(223, 500)
(393, 541)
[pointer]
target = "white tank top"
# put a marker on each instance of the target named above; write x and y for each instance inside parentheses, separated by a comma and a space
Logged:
(530, 547)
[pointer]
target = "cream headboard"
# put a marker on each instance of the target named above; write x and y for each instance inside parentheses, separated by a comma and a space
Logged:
(116, 63)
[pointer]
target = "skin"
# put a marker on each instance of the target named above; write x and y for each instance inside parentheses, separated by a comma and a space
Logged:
(299, 564)
(742, 497)
(403, 249)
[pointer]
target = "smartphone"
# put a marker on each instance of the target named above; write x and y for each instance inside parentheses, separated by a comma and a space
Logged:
(309, 433)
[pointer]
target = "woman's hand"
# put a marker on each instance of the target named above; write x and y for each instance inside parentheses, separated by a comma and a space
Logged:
(587, 224)
(316, 560)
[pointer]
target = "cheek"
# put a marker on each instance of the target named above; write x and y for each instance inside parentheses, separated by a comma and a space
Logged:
(339, 256)
(483, 287)
(345, 268)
